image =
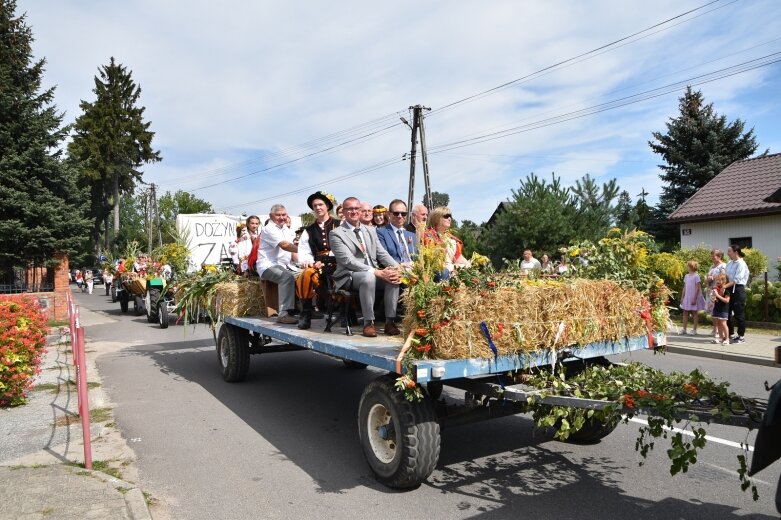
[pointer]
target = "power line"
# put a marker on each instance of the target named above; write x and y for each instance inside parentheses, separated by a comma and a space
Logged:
(574, 59)
(617, 103)
(223, 170)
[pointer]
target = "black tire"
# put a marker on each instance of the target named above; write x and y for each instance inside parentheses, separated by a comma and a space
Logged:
(138, 305)
(404, 455)
(113, 294)
(233, 353)
(353, 365)
(162, 314)
(151, 306)
(123, 301)
(593, 431)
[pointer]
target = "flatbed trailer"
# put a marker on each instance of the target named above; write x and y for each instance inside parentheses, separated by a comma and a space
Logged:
(401, 438)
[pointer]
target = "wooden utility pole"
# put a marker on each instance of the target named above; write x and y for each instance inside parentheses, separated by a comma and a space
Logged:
(152, 216)
(418, 128)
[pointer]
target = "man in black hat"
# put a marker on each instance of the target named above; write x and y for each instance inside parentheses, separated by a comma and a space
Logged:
(314, 252)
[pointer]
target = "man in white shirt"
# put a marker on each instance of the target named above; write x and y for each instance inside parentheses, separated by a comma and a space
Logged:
(737, 278)
(275, 261)
(245, 242)
(529, 263)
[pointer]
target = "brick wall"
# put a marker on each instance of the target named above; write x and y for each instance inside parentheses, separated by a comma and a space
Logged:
(55, 303)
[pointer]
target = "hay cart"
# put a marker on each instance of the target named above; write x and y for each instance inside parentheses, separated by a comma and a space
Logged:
(401, 439)
(131, 289)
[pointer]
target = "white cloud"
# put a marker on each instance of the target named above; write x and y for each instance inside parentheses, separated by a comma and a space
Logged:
(225, 84)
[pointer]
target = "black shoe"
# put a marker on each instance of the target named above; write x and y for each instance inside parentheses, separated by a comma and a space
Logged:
(738, 339)
(304, 320)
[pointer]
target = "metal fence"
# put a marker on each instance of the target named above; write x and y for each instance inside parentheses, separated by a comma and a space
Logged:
(32, 279)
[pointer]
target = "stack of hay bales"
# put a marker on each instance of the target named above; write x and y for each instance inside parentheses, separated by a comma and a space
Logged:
(242, 297)
(528, 316)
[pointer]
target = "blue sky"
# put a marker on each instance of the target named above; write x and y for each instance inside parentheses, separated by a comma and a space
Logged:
(234, 90)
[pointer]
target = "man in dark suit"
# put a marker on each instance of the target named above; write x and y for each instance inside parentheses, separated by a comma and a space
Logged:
(362, 263)
(399, 242)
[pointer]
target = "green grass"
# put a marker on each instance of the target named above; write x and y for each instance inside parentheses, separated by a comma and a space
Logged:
(57, 323)
(104, 467)
(96, 415)
(55, 387)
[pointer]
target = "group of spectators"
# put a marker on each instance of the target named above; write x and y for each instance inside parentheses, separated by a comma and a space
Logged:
(724, 299)
(362, 247)
(545, 267)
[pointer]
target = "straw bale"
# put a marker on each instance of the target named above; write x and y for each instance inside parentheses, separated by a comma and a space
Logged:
(239, 298)
(531, 316)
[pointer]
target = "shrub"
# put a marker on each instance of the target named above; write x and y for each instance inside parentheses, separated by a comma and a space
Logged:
(756, 261)
(22, 341)
(755, 301)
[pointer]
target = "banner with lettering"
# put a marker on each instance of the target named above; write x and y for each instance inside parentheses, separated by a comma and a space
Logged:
(208, 236)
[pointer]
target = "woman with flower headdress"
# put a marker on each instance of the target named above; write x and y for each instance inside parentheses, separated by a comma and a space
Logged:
(379, 215)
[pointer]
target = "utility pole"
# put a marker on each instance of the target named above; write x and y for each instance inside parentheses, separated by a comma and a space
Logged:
(152, 216)
(417, 128)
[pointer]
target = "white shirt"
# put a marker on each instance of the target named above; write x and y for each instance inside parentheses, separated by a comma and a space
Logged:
(737, 271)
(269, 252)
(244, 248)
(305, 250)
(528, 265)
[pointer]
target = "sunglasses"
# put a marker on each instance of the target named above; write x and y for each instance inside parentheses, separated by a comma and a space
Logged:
(399, 213)
(447, 216)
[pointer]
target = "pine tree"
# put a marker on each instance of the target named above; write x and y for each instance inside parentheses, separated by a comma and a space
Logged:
(698, 145)
(40, 208)
(626, 214)
(111, 141)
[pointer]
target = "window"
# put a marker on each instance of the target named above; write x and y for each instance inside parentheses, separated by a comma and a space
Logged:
(743, 242)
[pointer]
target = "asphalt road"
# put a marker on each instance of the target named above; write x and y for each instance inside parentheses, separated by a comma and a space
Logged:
(284, 444)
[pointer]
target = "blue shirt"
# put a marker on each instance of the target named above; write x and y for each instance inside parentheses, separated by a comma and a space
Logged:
(737, 271)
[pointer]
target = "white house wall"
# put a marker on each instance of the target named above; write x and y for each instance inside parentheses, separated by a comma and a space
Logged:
(765, 233)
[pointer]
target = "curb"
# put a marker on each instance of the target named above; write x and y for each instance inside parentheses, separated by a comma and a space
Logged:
(134, 497)
(724, 356)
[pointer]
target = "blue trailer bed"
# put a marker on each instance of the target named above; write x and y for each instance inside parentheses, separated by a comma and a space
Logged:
(381, 352)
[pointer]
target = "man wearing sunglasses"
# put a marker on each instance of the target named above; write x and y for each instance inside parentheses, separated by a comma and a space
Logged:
(363, 264)
(398, 241)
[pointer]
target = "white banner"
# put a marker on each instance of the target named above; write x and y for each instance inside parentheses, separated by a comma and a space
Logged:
(208, 237)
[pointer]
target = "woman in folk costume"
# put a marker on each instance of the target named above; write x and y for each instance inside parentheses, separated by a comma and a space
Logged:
(438, 232)
(314, 252)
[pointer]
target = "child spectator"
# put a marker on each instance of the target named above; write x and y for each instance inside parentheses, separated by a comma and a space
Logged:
(692, 300)
(720, 310)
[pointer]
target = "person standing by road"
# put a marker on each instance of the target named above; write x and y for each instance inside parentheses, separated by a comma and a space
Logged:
(108, 279)
(717, 268)
(692, 301)
(88, 280)
(737, 278)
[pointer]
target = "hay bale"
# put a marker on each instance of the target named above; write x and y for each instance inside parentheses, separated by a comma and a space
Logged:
(529, 316)
(242, 297)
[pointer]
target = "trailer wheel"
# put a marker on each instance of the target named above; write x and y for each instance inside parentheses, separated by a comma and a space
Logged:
(123, 301)
(400, 439)
(138, 305)
(233, 353)
(353, 365)
(113, 293)
(150, 301)
(162, 314)
(592, 431)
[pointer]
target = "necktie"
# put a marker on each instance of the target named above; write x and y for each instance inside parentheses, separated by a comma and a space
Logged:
(359, 236)
(404, 251)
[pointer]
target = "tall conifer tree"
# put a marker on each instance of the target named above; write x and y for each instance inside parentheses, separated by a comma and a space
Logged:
(111, 141)
(697, 146)
(40, 209)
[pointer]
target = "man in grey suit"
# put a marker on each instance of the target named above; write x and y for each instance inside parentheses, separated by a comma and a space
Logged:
(363, 264)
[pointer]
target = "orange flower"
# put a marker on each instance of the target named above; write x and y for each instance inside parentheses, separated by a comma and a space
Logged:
(421, 314)
(642, 393)
(690, 389)
(411, 384)
(423, 348)
(629, 402)
(421, 332)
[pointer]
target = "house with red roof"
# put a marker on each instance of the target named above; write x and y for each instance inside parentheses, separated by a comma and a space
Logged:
(741, 205)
